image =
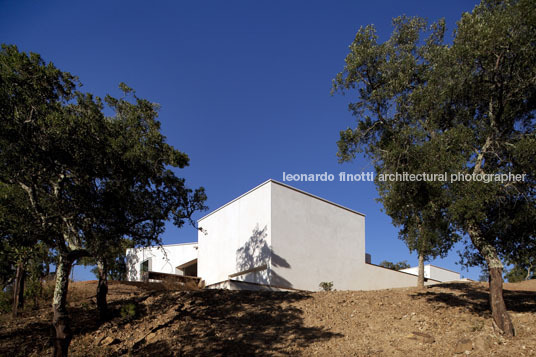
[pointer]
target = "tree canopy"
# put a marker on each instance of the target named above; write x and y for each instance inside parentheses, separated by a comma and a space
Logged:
(465, 109)
(394, 266)
(89, 180)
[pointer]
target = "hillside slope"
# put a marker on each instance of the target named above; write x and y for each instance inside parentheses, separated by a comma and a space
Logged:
(440, 320)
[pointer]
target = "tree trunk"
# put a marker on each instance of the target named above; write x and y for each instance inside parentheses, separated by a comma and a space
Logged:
(102, 290)
(16, 289)
(498, 307)
(420, 278)
(500, 315)
(21, 289)
(60, 320)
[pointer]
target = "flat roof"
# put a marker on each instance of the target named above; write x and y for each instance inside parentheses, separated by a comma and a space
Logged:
(162, 245)
(286, 186)
(399, 271)
(173, 244)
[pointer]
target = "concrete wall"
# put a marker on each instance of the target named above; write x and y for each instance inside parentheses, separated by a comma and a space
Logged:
(236, 238)
(415, 271)
(161, 259)
(290, 239)
(241, 285)
(441, 274)
(284, 238)
(374, 277)
(435, 273)
(314, 241)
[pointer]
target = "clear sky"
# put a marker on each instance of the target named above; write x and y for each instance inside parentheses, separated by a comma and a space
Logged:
(244, 86)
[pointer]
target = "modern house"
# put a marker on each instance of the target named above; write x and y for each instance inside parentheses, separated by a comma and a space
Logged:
(277, 237)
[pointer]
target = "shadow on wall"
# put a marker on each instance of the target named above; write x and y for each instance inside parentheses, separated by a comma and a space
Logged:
(148, 254)
(256, 253)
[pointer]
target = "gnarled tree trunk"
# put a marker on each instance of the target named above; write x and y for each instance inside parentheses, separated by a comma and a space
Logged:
(60, 320)
(102, 290)
(420, 277)
(498, 307)
(500, 315)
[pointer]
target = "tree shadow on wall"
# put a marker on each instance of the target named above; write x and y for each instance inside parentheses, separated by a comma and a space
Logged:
(256, 253)
(132, 266)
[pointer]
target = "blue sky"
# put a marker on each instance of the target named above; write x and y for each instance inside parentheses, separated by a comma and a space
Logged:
(244, 86)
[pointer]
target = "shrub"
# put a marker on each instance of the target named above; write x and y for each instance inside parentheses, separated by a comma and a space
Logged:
(34, 292)
(128, 311)
(326, 286)
(6, 300)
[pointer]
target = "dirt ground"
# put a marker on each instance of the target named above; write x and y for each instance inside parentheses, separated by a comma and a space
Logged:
(442, 320)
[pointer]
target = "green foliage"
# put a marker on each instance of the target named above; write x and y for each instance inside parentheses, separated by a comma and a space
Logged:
(395, 129)
(116, 261)
(128, 311)
(47, 291)
(484, 274)
(33, 290)
(19, 240)
(7, 268)
(515, 275)
(6, 300)
(326, 286)
(89, 180)
(468, 107)
(83, 181)
(395, 266)
(37, 292)
(519, 273)
(523, 259)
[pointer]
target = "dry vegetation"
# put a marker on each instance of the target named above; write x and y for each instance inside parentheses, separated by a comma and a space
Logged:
(156, 319)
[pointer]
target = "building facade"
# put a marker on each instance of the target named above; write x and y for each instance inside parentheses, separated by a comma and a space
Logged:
(276, 237)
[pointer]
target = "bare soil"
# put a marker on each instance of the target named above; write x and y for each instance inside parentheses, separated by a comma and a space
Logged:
(441, 320)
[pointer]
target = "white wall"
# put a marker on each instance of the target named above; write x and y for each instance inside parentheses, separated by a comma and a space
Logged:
(291, 239)
(314, 241)
(374, 277)
(302, 240)
(236, 237)
(161, 259)
(435, 273)
(415, 271)
(442, 274)
(319, 241)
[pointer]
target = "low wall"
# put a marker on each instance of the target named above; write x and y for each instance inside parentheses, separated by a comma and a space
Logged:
(242, 285)
(375, 277)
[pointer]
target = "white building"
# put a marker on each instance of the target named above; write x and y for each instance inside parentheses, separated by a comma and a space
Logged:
(435, 273)
(178, 259)
(276, 237)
